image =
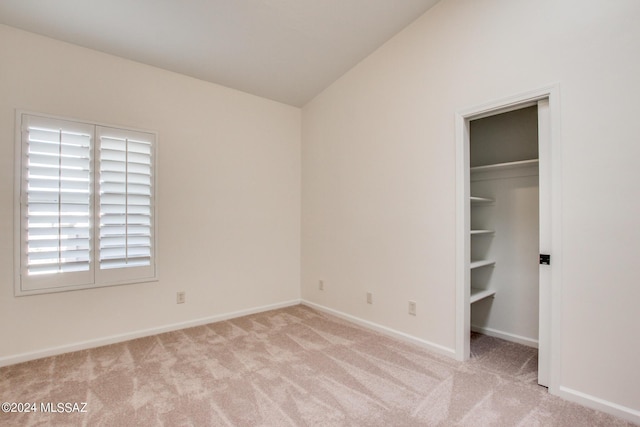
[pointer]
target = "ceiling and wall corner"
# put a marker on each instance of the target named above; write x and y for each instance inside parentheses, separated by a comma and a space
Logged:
(284, 50)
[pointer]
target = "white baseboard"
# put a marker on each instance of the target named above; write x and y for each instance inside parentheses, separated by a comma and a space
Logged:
(505, 336)
(593, 402)
(437, 348)
(83, 345)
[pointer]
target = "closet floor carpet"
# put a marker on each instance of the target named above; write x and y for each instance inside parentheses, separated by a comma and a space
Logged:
(288, 367)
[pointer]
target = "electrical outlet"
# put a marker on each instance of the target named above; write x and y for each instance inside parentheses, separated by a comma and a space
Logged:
(321, 285)
(412, 308)
(180, 297)
(369, 298)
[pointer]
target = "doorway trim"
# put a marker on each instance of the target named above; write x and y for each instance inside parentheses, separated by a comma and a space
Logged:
(551, 302)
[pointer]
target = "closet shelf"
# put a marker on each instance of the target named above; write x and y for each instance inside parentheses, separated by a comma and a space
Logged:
(480, 200)
(504, 166)
(477, 294)
(481, 263)
(481, 232)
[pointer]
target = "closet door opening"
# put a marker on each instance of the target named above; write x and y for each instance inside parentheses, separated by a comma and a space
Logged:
(505, 229)
(504, 234)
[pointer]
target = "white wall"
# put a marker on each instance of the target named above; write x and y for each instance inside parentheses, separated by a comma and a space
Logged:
(228, 193)
(378, 163)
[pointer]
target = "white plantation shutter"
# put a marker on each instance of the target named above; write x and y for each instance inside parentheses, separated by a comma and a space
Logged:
(126, 202)
(86, 213)
(57, 210)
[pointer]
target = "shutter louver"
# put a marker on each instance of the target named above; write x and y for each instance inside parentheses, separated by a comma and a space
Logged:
(58, 200)
(125, 201)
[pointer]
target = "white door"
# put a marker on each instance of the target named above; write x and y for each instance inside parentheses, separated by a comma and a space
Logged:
(544, 173)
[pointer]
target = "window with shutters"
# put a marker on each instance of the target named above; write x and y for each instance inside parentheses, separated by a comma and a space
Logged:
(86, 205)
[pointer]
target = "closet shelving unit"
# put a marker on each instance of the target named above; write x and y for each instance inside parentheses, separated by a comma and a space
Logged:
(481, 263)
(503, 166)
(474, 232)
(478, 294)
(480, 199)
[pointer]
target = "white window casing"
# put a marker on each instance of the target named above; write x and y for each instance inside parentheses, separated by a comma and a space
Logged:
(86, 205)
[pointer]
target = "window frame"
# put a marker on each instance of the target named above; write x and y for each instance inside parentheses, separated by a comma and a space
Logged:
(99, 277)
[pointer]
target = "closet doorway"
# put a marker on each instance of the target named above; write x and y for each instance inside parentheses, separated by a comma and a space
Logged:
(508, 225)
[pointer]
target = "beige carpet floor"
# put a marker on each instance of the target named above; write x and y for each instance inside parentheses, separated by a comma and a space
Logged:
(288, 367)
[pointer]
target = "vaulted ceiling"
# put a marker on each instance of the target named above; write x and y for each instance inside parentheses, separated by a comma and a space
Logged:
(285, 50)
